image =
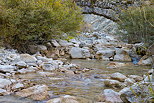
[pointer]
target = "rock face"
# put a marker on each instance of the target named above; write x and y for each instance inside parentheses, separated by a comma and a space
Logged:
(38, 92)
(111, 96)
(79, 53)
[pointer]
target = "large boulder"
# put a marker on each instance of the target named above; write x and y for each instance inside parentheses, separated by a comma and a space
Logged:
(7, 68)
(4, 82)
(77, 52)
(106, 54)
(122, 55)
(145, 60)
(110, 96)
(27, 58)
(137, 93)
(38, 92)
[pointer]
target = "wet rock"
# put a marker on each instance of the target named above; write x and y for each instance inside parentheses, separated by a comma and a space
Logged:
(147, 78)
(114, 65)
(7, 68)
(136, 77)
(110, 96)
(38, 92)
(27, 58)
(23, 71)
(45, 73)
(17, 86)
(129, 81)
(76, 52)
(64, 99)
(49, 66)
(113, 83)
(3, 92)
(21, 64)
(4, 82)
(118, 76)
(145, 61)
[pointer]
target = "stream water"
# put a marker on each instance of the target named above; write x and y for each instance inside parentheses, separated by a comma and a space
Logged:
(88, 85)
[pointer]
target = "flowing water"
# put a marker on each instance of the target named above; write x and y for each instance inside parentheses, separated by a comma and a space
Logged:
(88, 85)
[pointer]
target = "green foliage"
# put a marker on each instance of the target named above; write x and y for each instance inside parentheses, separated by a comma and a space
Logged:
(33, 21)
(137, 24)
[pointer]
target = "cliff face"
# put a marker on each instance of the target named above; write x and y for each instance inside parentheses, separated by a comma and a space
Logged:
(107, 8)
(99, 24)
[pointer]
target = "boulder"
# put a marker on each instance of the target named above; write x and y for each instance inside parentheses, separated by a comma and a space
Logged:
(113, 83)
(77, 52)
(7, 68)
(145, 60)
(38, 92)
(65, 43)
(137, 93)
(27, 58)
(21, 64)
(106, 54)
(49, 66)
(122, 55)
(3, 92)
(4, 82)
(129, 81)
(17, 86)
(55, 43)
(118, 76)
(136, 77)
(110, 96)
(64, 99)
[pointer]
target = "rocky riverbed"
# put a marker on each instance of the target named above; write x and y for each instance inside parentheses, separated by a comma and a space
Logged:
(34, 78)
(95, 67)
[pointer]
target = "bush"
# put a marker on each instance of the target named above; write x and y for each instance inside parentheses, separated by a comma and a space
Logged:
(25, 22)
(137, 24)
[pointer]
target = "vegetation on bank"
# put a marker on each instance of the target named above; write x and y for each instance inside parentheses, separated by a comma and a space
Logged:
(24, 22)
(137, 24)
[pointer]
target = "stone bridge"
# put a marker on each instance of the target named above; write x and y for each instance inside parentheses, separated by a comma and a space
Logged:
(107, 8)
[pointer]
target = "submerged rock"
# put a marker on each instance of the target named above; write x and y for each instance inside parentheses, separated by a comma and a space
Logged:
(113, 83)
(64, 99)
(38, 92)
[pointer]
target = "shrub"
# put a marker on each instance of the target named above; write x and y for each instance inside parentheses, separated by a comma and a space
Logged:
(24, 22)
(137, 24)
